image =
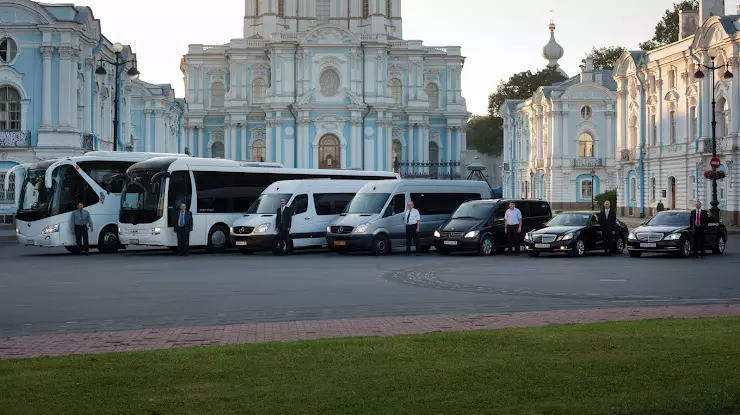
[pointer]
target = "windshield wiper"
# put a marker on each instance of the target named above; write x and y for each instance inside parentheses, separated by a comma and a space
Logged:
(464, 217)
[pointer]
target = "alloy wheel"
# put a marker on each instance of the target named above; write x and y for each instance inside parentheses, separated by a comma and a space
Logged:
(487, 246)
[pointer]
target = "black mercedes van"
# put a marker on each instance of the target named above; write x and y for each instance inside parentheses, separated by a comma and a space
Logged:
(478, 226)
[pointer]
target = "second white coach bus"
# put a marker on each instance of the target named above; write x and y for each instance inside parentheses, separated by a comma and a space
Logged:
(216, 191)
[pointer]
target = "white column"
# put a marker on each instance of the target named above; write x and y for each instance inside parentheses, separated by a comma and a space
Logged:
(458, 143)
(425, 144)
(189, 134)
(147, 130)
(464, 144)
(86, 93)
(565, 149)
(46, 53)
(268, 143)
(621, 116)
(65, 68)
(74, 57)
(448, 145)
(379, 141)
(277, 124)
(734, 62)
(306, 147)
(389, 146)
(199, 146)
(410, 145)
(609, 150)
(245, 142)
(159, 138)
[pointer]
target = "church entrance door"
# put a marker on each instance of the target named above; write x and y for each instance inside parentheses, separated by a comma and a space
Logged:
(329, 152)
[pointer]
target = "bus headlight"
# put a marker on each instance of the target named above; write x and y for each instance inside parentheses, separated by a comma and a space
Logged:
(262, 228)
(472, 234)
(51, 229)
(362, 228)
(156, 230)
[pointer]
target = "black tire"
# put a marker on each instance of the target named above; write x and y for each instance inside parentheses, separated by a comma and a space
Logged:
(108, 240)
(218, 239)
(73, 249)
(619, 246)
(443, 252)
(685, 250)
(486, 248)
(719, 249)
(381, 245)
(635, 254)
(533, 254)
(579, 248)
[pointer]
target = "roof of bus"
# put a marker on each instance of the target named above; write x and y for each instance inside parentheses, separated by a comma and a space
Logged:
(385, 186)
(327, 185)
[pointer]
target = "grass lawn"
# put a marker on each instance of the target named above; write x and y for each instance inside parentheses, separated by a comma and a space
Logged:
(650, 367)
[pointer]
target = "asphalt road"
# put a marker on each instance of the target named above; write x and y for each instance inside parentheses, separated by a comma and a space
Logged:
(50, 291)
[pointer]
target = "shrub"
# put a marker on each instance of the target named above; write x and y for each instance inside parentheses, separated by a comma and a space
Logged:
(610, 195)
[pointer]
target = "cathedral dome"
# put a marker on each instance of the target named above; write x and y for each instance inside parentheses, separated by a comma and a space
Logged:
(552, 51)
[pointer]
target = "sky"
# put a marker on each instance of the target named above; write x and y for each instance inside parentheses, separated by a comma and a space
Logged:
(498, 37)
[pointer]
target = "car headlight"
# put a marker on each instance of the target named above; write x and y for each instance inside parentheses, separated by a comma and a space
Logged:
(673, 237)
(632, 236)
(472, 234)
(262, 228)
(567, 237)
(328, 229)
(528, 236)
(51, 229)
(437, 234)
(156, 230)
(17, 230)
(362, 228)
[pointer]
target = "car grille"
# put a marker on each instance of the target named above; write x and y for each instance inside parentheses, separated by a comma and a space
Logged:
(243, 230)
(649, 237)
(342, 229)
(452, 234)
(544, 238)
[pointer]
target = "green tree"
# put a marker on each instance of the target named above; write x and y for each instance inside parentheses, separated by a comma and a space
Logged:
(667, 30)
(606, 57)
(486, 134)
(522, 86)
(610, 195)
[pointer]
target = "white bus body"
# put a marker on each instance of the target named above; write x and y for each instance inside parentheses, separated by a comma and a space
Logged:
(216, 191)
(51, 190)
(315, 203)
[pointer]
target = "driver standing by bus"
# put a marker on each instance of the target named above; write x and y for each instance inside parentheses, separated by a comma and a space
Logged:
(80, 223)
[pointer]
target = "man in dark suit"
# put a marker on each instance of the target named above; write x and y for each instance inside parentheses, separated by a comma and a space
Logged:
(608, 220)
(283, 222)
(183, 227)
(699, 224)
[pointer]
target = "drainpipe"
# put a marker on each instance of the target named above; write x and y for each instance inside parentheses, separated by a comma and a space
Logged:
(292, 108)
(92, 94)
(368, 108)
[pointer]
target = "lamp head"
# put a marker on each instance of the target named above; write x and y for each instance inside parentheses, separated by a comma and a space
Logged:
(728, 75)
(699, 74)
(117, 47)
(101, 70)
(133, 71)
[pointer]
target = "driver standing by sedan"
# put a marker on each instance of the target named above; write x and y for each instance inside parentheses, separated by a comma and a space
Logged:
(608, 219)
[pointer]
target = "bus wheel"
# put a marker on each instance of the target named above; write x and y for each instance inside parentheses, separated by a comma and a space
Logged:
(218, 239)
(108, 240)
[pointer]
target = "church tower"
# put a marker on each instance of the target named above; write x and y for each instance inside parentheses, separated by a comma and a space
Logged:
(553, 51)
(709, 8)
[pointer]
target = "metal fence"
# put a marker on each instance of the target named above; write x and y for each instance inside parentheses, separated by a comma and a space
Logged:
(15, 139)
(87, 142)
(7, 197)
(444, 170)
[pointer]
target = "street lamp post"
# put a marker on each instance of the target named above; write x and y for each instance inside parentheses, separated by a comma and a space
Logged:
(714, 210)
(593, 188)
(117, 48)
(531, 183)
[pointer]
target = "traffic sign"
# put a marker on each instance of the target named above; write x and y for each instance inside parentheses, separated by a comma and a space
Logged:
(715, 162)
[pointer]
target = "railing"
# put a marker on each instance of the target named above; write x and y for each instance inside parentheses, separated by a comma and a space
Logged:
(539, 163)
(7, 197)
(87, 142)
(629, 154)
(432, 50)
(587, 162)
(428, 170)
(399, 44)
(15, 139)
(723, 144)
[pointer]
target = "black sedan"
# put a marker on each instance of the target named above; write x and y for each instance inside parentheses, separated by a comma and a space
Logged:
(574, 233)
(668, 233)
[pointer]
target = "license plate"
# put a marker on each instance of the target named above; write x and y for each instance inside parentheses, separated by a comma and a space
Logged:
(542, 246)
(241, 243)
(450, 243)
(645, 245)
(340, 243)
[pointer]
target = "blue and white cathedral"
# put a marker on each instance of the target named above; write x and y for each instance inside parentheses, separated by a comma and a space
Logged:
(326, 84)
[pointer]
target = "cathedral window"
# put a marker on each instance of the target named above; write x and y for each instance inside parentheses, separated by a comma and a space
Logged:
(587, 189)
(257, 7)
(585, 145)
(259, 151)
(586, 112)
(652, 189)
(672, 79)
(8, 50)
(218, 150)
(673, 127)
(323, 10)
(10, 109)
(694, 123)
(397, 156)
(633, 189)
(329, 82)
(723, 117)
(633, 133)
(258, 91)
(281, 8)
(218, 93)
(396, 91)
(365, 9)
(389, 8)
(432, 92)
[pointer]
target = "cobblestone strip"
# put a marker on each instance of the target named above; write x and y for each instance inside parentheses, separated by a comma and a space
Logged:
(151, 339)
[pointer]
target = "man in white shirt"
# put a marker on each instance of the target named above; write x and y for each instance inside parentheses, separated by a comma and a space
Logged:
(513, 221)
(412, 220)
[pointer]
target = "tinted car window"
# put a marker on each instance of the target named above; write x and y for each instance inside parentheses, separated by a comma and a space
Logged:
(331, 203)
(500, 210)
(440, 203)
(300, 204)
(539, 209)
(398, 204)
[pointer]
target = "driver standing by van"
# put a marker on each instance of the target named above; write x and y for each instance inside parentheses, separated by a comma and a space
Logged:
(412, 219)
(283, 222)
(513, 221)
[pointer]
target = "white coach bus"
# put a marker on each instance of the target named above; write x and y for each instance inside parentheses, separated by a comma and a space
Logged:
(216, 191)
(51, 190)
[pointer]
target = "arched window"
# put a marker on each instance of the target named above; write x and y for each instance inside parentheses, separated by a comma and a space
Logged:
(586, 112)
(218, 151)
(585, 145)
(259, 151)
(652, 188)
(672, 79)
(218, 93)
(258, 91)
(10, 109)
(329, 154)
(396, 91)
(432, 92)
(587, 189)
(694, 123)
(673, 126)
(365, 9)
(397, 156)
(8, 50)
(633, 189)
(653, 129)
(723, 117)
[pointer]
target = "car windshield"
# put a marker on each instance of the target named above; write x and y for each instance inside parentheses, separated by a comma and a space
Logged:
(268, 203)
(670, 219)
(480, 211)
(570, 219)
(367, 203)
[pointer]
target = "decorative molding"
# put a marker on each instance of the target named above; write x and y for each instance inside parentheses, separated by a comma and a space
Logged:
(218, 71)
(47, 52)
(330, 61)
(65, 52)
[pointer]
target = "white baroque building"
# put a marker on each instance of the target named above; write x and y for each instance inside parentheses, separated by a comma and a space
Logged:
(664, 117)
(51, 102)
(327, 84)
(560, 144)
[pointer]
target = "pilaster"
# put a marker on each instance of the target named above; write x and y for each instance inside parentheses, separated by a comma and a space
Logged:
(65, 86)
(147, 130)
(46, 52)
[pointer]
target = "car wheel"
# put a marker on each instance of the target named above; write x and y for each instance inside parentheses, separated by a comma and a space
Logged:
(443, 251)
(533, 254)
(635, 254)
(719, 249)
(218, 239)
(685, 250)
(486, 246)
(73, 249)
(579, 248)
(381, 245)
(619, 246)
(108, 240)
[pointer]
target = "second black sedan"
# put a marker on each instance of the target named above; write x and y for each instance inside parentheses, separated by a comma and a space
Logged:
(574, 233)
(668, 233)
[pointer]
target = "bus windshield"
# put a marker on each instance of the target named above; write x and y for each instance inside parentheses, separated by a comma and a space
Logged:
(367, 203)
(268, 203)
(68, 188)
(142, 201)
(35, 198)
